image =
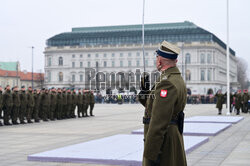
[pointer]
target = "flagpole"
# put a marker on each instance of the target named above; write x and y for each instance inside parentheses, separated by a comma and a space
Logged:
(143, 55)
(228, 75)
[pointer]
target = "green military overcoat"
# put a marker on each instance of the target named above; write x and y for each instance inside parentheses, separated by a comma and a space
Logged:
(220, 100)
(163, 141)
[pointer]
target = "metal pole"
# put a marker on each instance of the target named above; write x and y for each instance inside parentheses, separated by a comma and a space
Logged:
(32, 48)
(228, 75)
(143, 36)
(17, 73)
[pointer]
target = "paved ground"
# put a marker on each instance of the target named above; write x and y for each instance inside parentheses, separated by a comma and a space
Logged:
(229, 148)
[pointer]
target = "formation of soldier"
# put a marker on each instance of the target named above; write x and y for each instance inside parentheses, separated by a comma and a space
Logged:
(238, 101)
(32, 105)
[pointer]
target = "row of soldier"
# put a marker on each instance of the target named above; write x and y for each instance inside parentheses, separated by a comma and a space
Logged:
(238, 101)
(45, 104)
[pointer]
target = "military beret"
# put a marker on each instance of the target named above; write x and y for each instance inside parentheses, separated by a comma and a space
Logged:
(23, 86)
(168, 50)
(43, 89)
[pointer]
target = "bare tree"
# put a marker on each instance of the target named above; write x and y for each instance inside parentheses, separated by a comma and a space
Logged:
(241, 72)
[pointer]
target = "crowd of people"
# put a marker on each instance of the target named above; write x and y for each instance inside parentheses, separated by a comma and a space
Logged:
(32, 105)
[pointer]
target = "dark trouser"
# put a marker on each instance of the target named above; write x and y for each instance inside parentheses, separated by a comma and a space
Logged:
(69, 111)
(245, 107)
(219, 111)
(14, 114)
(29, 113)
(22, 112)
(91, 108)
(1, 112)
(6, 114)
(79, 110)
(86, 109)
(59, 111)
(238, 111)
(64, 111)
(72, 112)
(45, 112)
(36, 113)
(52, 112)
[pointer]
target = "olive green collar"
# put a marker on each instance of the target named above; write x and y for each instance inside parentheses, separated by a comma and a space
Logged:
(171, 70)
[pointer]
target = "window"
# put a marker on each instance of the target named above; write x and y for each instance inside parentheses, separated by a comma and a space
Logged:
(96, 64)
(49, 61)
(146, 62)
(89, 55)
(209, 58)
(73, 56)
(73, 64)
(121, 54)
(187, 58)
(121, 63)
(105, 64)
(60, 61)
(96, 55)
(137, 63)
(113, 54)
(81, 78)
(137, 54)
(129, 63)
(209, 75)
(88, 64)
(104, 55)
(188, 75)
(202, 75)
(129, 54)
(81, 65)
(113, 63)
(202, 60)
(80, 55)
(49, 76)
(60, 76)
(73, 78)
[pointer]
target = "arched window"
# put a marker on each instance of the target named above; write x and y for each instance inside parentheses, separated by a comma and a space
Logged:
(202, 75)
(202, 60)
(188, 75)
(60, 61)
(188, 58)
(209, 75)
(60, 76)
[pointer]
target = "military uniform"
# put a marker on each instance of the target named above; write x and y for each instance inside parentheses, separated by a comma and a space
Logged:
(65, 105)
(87, 95)
(238, 102)
(23, 106)
(1, 105)
(30, 105)
(45, 103)
(91, 103)
(84, 106)
(245, 99)
(219, 103)
(7, 106)
(37, 106)
(53, 99)
(74, 103)
(16, 106)
(59, 105)
(79, 104)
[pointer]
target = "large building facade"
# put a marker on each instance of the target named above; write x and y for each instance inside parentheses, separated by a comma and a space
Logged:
(108, 49)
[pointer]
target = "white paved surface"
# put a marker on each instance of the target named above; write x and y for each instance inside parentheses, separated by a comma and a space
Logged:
(214, 119)
(229, 148)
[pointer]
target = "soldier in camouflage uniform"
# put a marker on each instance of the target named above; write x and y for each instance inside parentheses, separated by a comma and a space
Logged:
(37, 99)
(74, 103)
(30, 105)
(7, 105)
(53, 99)
(59, 104)
(16, 105)
(23, 106)
(91, 102)
(45, 103)
(65, 104)
(1, 104)
(79, 104)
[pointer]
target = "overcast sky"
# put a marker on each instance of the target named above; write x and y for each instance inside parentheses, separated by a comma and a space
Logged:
(26, 23)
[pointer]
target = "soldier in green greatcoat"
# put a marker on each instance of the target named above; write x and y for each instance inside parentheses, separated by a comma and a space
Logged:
(59, 104)
(45, 103)
(74, 103)
(65, 104)
(69, 103)
(53, 99)
(37, 99)
(79, 104)
(163, 118)
(87, 96)
(238, 101)
(30, 105)
(91, 102)
(220, 101)
(7, 105)
(16, 105)
(245, 98)
(84, 107)
(23, 106)
(1, 104)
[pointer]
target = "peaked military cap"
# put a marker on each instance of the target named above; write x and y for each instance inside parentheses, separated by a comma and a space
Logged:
(168, 50)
